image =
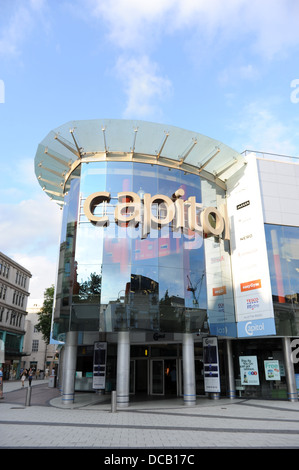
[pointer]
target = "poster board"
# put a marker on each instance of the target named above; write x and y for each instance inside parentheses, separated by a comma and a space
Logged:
(99, 365)
(249, 370)
(272, 370)
(211, 365)
(251, 277)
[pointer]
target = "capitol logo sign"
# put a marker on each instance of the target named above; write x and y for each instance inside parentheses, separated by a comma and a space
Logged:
(158, 211)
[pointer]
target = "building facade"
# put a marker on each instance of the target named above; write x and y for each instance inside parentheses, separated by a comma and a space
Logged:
(176, 275)
(39, 355)
(14, 293)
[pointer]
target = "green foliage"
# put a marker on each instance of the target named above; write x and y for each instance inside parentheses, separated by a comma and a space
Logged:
(45, 315)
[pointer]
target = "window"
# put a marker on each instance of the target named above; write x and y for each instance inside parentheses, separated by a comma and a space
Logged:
(4, 269)
(283, 256)
(21, 279)
(35, 343)
(3, 289)
(18, 298)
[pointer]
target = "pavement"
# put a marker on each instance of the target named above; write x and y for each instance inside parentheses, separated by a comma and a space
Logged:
(157, 427)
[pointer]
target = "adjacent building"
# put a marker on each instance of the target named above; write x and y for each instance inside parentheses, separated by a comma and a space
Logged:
(40, 356)
(14, 293)
(179, 267)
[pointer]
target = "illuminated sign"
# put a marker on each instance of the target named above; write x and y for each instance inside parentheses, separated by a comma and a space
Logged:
(132, 210)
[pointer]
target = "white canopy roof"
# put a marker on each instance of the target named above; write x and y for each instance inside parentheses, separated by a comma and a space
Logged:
(65, 147)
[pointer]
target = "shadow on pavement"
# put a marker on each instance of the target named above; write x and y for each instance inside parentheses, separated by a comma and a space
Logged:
(40, 395)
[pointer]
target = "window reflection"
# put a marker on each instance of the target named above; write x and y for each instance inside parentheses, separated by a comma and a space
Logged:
(113, 278)
(66, 257)
(283, 256)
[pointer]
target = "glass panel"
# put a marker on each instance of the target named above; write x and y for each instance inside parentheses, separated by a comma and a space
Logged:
(158, 377)
(116, 262)
(142, 298)
(87, 282)
(66, 259)
(114, 279)
(132, 377)
(283, 256)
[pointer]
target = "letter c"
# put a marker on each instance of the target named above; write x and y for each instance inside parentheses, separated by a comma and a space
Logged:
(90, 204)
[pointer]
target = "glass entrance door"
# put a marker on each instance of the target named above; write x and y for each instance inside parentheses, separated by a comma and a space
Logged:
(157, 377)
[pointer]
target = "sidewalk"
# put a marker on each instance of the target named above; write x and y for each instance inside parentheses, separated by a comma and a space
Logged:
(12, 385)
(161, 424)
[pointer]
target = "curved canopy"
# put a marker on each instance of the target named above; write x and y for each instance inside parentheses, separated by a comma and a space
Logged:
(65, 147)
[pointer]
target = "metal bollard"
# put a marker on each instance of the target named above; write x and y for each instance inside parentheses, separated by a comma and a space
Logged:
(28, 396)
(113, 402)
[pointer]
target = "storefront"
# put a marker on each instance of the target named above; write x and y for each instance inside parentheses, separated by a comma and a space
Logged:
(12, 344)
(162, 246)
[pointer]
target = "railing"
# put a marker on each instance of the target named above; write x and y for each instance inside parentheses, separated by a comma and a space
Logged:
(272, 156)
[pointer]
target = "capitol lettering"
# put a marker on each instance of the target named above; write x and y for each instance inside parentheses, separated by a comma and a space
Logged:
(133, 210)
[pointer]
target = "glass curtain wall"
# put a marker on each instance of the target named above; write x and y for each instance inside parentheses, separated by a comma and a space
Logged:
(113, 279)
(283, 256)
(66, 266)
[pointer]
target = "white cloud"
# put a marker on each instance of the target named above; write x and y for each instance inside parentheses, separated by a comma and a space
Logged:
(37, 4)
(29, 226)
(144, 86)
(259, 128)
(233, 74)
(269, 27)
(17, 23)
(28, 229)
(130, 22)
(43, 270)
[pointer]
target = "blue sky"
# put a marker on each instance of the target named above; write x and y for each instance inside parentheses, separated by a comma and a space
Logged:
(221, 68)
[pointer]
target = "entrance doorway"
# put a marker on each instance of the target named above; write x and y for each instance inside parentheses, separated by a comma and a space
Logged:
(170, 376)
(154, 377)
(163, 377)
(138, 376)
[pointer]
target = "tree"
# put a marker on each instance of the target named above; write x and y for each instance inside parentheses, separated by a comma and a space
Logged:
(45, 315)
(90, 290)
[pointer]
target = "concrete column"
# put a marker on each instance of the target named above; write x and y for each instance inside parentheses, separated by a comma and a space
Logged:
(69, 367)
(123, 369)
(289, 370)
(189, 370)
(231, 385)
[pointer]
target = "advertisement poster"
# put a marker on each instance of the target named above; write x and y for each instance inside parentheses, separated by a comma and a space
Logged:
(211, 365)
(220, 298)
(272, 370)
(252, 287)
(249, 370)
(99, 365)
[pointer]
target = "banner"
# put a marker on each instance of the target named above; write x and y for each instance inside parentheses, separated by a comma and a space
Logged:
(220, 298)
(211, 365)
(99, 365)
(251, 278)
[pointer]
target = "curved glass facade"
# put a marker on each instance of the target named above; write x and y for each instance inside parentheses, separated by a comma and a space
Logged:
(112, 279)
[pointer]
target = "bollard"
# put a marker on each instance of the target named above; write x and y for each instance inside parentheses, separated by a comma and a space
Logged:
(28, 396)
(214, 396)
(113, 401)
